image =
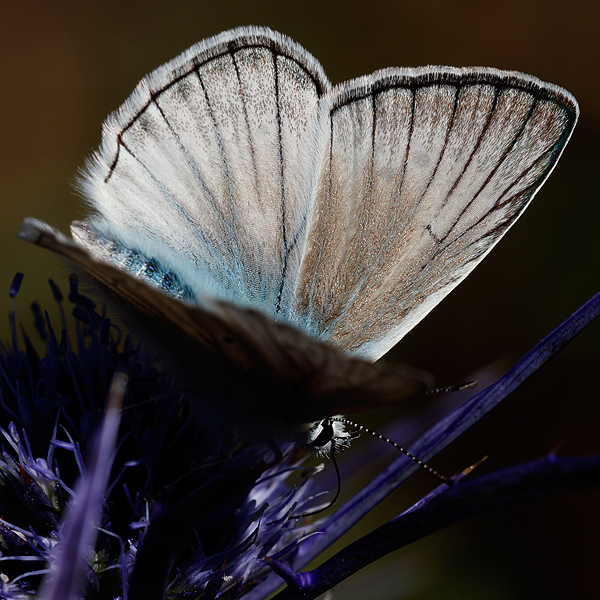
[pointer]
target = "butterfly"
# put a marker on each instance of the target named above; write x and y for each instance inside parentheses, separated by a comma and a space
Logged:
(274, 235)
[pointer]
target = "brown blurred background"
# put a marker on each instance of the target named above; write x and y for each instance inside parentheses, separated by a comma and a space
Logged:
(65, 65)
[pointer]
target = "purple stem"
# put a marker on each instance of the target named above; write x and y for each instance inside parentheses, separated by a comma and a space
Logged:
(435, 439)
(547, 477)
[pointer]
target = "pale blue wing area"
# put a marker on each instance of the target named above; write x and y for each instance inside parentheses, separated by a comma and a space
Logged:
(198, 184)
(421, 172)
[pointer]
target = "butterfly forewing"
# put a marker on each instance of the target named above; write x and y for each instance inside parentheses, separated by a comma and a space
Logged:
(281, 378)
(421, 172)
(208, 149)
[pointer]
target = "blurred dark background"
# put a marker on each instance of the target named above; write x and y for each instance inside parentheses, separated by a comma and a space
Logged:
(65, 65)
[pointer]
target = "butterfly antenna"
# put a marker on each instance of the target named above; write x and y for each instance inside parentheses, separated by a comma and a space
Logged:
(459, 387)
(337, 494)
(397, 446)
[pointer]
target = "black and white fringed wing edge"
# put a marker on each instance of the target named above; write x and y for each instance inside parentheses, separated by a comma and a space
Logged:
(194, 58)
(420, 173)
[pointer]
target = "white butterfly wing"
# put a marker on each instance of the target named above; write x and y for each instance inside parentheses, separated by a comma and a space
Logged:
(421, 172)
(200, 170)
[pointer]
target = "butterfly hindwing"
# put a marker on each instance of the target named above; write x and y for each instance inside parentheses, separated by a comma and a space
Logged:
(421, 173)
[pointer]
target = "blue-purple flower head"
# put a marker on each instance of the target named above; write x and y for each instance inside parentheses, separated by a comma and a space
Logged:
(144, 500)
(218, 505)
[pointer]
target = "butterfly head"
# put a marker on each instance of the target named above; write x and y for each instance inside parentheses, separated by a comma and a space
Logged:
(327, 437)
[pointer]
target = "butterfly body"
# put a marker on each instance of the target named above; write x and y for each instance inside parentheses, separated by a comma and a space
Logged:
(250, 215)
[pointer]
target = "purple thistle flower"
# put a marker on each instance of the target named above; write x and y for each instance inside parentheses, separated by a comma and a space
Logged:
(181, 503)
(187, 512)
